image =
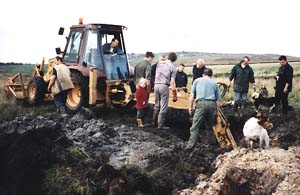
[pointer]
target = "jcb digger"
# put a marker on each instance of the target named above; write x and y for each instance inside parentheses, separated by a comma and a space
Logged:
(97, 77)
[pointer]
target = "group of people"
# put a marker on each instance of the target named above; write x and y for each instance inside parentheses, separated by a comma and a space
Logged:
(243, 75)
(163, 74)
(204, 91)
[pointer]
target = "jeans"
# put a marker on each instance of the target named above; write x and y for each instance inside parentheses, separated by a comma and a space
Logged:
(240, 99)
(60, 99)
(140, 113)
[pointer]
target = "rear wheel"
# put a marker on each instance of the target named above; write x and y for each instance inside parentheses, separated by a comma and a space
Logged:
(36, 90)
(78, 96)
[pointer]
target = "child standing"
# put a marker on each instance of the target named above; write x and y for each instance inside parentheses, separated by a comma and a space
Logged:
(141, 96)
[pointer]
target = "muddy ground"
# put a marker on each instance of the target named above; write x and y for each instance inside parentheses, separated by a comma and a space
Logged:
(103, 152)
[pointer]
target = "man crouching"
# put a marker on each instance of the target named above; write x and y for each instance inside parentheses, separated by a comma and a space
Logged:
(207, 95)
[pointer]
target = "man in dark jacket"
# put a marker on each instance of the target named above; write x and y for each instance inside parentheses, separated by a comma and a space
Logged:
(112, 48)
(284, 82)
(181, 77)
(198, 69)
(242, 74)
(143, 68)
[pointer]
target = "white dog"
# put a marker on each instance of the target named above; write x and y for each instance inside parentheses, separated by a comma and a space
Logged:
(255, 128)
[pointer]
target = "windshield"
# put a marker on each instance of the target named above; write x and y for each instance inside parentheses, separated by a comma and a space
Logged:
(72, 52)
(92, 54)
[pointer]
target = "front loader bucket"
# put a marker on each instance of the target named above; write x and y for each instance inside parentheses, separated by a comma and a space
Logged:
(18, 90)
(222, 131)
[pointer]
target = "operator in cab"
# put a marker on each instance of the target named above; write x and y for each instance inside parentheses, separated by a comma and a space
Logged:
(112, 48)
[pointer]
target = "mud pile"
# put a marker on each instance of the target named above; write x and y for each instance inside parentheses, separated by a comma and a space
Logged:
(244, 171)
(88, 155)
(105, 153)
(270, 171)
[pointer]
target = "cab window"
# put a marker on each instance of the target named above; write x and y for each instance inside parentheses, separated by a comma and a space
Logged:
(72, 51)
(92, 54)
(116, 65)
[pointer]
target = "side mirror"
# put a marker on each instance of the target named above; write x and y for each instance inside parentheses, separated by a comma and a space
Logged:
(58, 50)
(61, 31)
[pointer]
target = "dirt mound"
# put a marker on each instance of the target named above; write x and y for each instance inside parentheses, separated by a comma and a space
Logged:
(244, 171)
(81, 154)
(105, 153)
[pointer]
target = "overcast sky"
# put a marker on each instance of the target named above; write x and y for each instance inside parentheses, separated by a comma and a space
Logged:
(28, 29)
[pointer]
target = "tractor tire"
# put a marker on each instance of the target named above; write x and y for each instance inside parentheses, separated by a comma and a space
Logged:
(36, 90)
(79, 95)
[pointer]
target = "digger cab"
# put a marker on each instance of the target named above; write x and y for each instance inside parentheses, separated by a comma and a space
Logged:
(86, 48)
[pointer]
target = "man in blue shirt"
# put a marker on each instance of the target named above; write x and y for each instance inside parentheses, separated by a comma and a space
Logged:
(207, 95)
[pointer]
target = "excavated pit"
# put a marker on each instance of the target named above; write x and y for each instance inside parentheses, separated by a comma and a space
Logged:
(103, 152)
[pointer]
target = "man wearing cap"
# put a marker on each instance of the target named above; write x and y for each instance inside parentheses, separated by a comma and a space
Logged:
(164, 77)
(207, 95)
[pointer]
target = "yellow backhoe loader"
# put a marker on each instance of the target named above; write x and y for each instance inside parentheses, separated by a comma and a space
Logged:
(97, 77)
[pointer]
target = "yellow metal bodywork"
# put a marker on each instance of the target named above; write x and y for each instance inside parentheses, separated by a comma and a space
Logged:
(93, 86)
(125, 90)
(221, 128)
(181, 103)
(19, 89)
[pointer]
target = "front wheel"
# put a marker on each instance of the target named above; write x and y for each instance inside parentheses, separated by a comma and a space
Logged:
(36, 90)
(78, 96)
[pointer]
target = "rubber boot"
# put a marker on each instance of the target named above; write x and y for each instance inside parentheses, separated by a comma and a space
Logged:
(212, 138)
(140, 123)
(161, 121)
(236, 108)
(241, 113)
(191, 144)
(63, 110)
(154, 118)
